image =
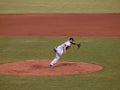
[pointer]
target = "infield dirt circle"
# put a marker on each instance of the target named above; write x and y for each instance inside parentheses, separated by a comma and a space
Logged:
(41, 68)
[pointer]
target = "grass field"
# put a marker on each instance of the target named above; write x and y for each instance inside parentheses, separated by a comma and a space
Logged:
(102, 51)
(59, 6)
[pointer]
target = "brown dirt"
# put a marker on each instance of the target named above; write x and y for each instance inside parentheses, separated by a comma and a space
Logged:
(60, 25)
(41, 68)
(103, 25)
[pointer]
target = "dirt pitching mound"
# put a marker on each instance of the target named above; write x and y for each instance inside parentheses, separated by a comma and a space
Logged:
(41, 68)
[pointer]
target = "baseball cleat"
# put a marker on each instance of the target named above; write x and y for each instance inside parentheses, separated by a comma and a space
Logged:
(54, 49)
(51, 66)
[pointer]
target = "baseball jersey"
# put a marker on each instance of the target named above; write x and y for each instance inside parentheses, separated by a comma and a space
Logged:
(66, 43)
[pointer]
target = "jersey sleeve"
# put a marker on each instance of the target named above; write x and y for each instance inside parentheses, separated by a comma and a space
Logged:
(67, 43)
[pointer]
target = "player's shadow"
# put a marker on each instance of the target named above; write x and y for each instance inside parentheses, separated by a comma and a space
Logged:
(64, 64)
(38, 66)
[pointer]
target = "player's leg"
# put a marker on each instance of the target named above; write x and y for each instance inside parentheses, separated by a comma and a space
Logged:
(59, 52)
(55, 60)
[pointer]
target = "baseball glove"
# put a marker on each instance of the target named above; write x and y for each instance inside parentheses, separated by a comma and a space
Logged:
(79, 45)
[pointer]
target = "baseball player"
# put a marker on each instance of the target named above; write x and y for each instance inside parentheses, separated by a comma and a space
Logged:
(62, 49)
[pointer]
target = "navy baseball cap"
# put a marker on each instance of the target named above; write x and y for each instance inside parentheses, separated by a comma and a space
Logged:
(71, 38)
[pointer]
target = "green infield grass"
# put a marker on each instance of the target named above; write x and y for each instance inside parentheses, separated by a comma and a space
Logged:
(59, 6)
(102, 51)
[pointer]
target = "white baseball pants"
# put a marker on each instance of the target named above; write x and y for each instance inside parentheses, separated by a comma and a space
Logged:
(59, 52)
